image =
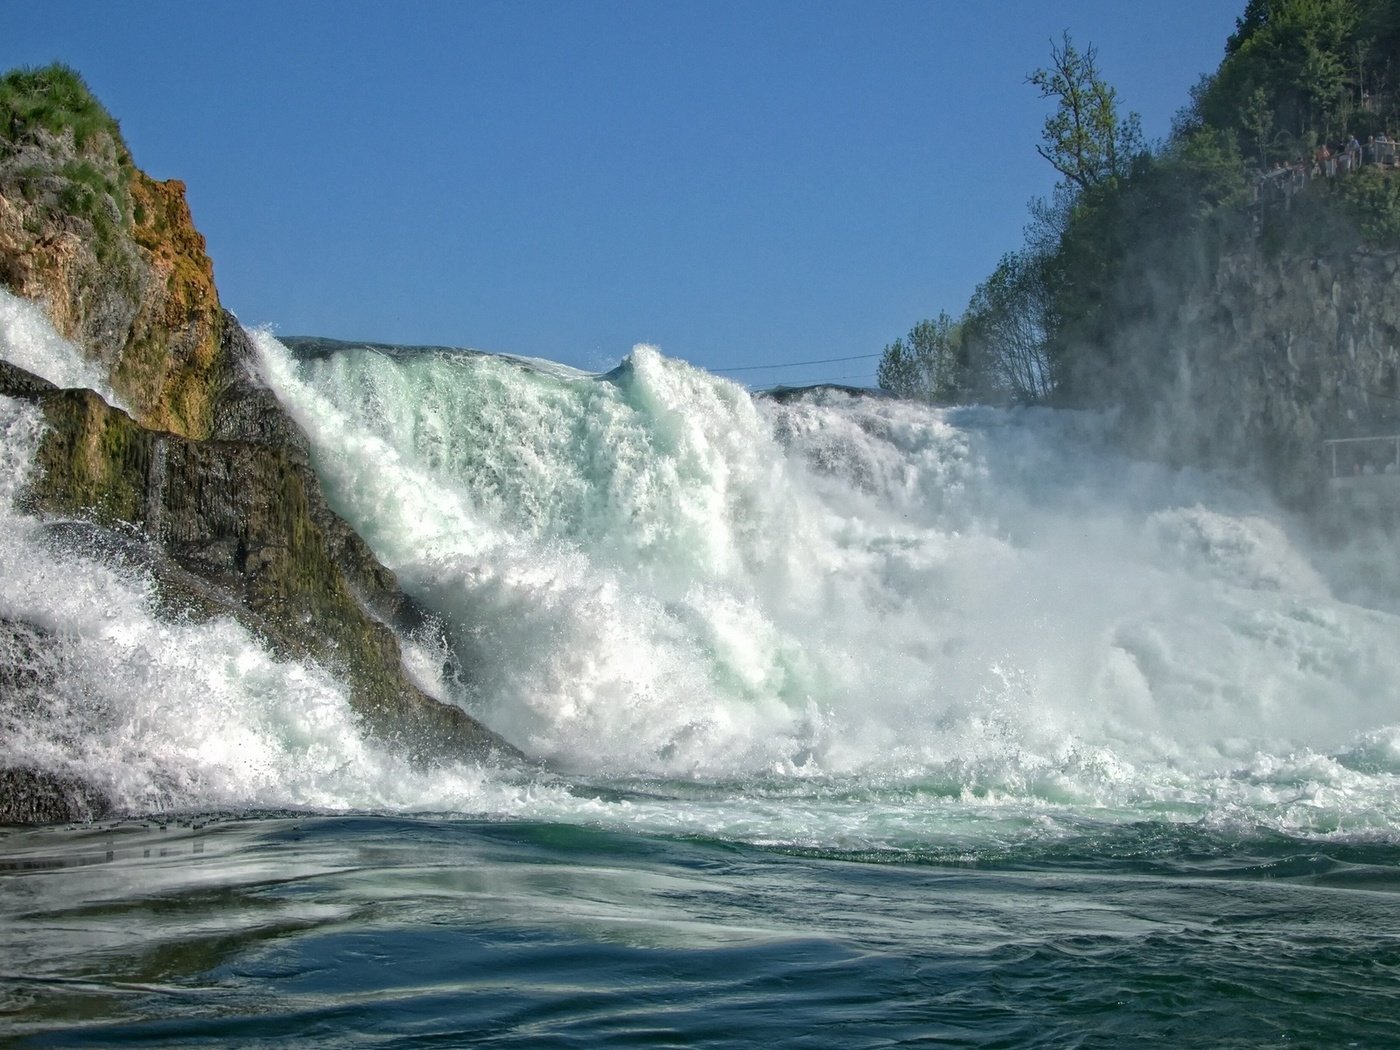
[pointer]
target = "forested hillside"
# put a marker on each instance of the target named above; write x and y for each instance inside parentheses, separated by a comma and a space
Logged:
(1285, 152)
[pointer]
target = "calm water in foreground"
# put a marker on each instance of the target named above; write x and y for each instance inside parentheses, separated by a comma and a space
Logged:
(415, 931)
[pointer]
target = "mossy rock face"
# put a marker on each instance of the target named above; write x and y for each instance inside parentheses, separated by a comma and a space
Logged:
(113, 254)
(231, 528)
(94, 458)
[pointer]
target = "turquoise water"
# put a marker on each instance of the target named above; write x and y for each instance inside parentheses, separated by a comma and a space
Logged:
(850, 722)
(434, 931)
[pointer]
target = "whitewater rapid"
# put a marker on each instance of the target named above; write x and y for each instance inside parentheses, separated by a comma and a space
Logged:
(838, 619)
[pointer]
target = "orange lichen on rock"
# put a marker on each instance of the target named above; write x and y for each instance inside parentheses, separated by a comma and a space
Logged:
(171, 360)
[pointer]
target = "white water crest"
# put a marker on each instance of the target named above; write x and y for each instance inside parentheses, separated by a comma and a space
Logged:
(651, 574)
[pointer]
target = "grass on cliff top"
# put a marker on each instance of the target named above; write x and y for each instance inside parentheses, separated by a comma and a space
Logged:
(55, 98)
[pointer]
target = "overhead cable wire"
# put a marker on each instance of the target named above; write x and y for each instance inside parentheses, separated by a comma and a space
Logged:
(796, 364)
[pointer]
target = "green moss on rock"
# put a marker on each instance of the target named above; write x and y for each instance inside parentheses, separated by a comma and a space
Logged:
(244, 519)
(93, 458)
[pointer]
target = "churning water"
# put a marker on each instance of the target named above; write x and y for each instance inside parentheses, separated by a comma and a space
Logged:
(858, 721)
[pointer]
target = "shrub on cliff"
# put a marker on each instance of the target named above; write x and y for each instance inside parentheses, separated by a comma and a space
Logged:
(1372, 200)
(54, 98)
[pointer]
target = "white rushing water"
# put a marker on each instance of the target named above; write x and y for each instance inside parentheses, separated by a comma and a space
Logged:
(165, 714)
(834, 621)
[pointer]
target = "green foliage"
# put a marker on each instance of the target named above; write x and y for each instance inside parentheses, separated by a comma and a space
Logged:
(91, 194)
(56, 184)
(930, 366)
(1124, 245)
(1302, 61)
(1127, 243)
(1085, 139)
(53, 98)
(1371, 199)
(1007, 330)
(1129, 231)
(1256, 14)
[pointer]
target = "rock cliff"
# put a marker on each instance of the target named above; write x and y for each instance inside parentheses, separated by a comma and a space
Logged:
(207, 482)
(1262, 356)
(113, 254)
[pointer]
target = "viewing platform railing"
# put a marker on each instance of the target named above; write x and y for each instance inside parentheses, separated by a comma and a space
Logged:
(1282, 181)
(1363, 463)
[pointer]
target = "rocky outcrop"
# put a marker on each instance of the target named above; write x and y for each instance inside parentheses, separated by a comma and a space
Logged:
(40, 796)
(113, 254)
(784, 394)
(208, 481)
(1262, 356)
(240, 519)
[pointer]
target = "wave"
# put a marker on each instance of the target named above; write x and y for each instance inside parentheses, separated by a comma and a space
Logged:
(654, 572)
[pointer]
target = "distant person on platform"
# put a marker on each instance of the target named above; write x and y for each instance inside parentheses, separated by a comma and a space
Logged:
(1320, 160)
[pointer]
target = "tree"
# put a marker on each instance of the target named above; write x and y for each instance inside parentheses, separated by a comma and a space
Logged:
(930, 366)
(1007, 329)
(1255, 18)
(1257, 122)
(1085, 140)
(1301, 59)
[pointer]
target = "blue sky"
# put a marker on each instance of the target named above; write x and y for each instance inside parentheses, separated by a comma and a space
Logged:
(738, 183)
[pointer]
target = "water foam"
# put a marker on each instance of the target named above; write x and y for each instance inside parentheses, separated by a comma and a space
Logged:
(653, 573)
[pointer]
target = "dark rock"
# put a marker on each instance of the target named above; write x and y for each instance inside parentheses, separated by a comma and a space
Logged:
(179, 592)
(16, 382)
(784, 394)
(231, 527)
(38, 796)
(29, 672)
(244, 408)
(319, 348)
(26, 664)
